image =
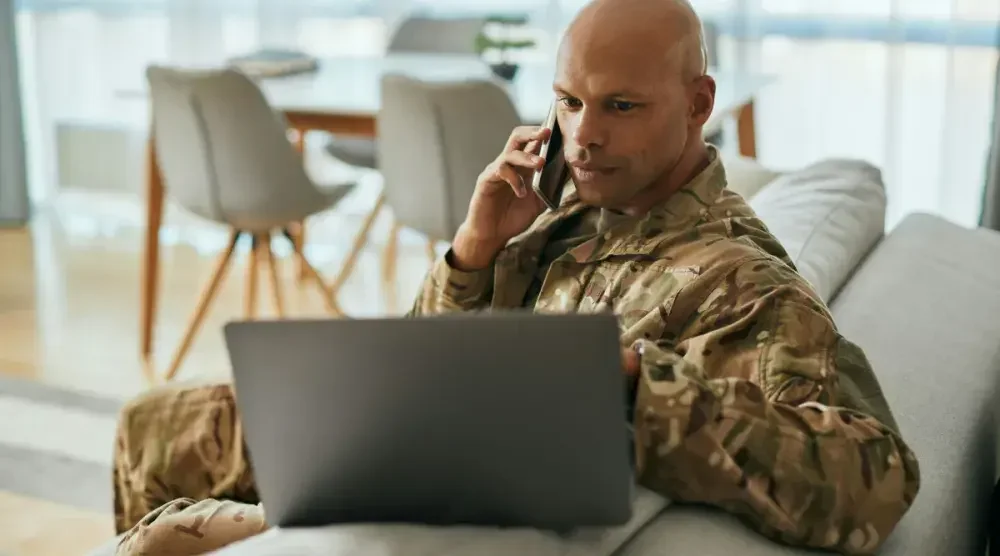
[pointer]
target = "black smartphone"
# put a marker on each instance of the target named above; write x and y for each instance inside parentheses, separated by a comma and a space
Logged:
(548, 183)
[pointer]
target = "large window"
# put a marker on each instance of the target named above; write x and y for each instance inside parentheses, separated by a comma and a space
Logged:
(905, 84)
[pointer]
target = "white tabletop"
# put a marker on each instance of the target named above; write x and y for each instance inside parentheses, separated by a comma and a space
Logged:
(350, 86)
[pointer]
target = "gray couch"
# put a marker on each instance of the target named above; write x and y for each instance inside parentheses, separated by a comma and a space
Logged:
(923, 301)
(924, 304)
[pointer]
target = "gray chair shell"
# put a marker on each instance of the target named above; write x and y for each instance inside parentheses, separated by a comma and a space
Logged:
(417, 34)
(224, 154)
(435, 139)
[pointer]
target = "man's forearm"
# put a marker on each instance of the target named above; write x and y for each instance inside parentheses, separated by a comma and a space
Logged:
(808, 475)
(185, 526)
(461, 281)
(470, 254)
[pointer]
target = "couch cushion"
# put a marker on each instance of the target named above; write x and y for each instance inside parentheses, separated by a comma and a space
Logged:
(925, 307)
(107, 549)
(828, 216)
(388, 539)
(746, 176)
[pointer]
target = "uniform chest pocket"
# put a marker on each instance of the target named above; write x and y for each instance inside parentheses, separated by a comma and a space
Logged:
(641, 293)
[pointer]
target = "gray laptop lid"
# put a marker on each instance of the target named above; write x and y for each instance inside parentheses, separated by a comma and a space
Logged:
(509, 419)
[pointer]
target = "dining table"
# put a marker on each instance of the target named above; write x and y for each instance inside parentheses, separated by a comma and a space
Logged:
(341, 96)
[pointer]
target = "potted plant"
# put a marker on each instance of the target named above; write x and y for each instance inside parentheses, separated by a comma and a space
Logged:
(496, 42)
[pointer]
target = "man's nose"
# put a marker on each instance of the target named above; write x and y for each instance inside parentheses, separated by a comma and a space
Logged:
(588, 132)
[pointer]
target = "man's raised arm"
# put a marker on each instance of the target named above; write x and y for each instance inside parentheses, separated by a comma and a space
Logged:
(763, 409)
(448, 289)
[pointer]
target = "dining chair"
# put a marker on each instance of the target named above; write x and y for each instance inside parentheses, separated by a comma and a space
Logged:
(419, 35)
(225, 155)
(435, 138)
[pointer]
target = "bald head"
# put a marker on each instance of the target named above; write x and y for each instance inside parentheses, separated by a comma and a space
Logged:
(633, 97)
(647, 31)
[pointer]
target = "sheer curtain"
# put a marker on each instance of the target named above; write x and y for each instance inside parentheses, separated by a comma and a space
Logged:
(905, 84)
(83, 62)
(13, 184)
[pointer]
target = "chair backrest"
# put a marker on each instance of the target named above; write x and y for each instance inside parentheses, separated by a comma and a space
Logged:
(224, 154)
(429, 35)
(434, 139)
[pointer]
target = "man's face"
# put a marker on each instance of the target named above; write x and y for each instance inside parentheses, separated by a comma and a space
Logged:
(625, 117)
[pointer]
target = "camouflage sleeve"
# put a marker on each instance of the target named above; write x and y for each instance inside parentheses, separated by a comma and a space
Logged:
(744, 413)
(446, 289)
(185, 526)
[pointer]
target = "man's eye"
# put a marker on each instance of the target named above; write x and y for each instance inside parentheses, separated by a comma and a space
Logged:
(623, 105)
(570, 102)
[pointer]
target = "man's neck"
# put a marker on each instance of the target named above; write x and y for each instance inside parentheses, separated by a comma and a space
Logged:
(692, 162)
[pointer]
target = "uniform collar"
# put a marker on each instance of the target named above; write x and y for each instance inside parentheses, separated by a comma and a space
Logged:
(642, 234)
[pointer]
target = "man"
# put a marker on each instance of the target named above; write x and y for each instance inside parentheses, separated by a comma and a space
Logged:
(747, 399)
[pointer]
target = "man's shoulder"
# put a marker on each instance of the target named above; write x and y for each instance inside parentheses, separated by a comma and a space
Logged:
(729, 248)
(717, 241)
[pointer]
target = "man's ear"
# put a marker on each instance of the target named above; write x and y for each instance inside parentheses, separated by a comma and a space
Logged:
(702, 99)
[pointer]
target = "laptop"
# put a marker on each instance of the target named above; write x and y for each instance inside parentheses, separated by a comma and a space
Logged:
(500, 419)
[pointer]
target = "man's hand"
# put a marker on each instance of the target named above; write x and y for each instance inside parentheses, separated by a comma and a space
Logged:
(630, 361)
(503, 204)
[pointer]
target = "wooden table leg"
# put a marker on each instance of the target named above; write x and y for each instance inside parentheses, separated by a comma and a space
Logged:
(300, 230)
(746, 131)
(151, 261)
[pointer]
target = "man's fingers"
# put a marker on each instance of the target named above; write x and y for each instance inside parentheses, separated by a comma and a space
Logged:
(521, 159)
(515, 157)
(630, 361)
(521, 136)
(508, 174)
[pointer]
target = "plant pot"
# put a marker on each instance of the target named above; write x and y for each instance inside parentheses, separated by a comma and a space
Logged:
(504, 71)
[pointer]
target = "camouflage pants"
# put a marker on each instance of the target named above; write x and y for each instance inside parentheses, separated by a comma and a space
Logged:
(177, 449)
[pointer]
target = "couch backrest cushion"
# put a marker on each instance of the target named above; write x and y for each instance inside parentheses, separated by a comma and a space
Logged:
(746, 176)
(828, 216)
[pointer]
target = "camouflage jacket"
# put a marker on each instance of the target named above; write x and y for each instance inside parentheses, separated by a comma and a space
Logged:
(749, 398)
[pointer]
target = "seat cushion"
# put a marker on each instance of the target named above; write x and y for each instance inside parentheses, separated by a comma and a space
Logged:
(925, 307)
(390, 539)
(926, 310)
(828, 216)
(107, 549)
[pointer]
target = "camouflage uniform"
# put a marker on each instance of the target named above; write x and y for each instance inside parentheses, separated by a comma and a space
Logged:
(748, 398)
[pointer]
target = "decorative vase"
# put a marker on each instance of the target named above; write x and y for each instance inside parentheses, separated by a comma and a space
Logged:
(504, 71)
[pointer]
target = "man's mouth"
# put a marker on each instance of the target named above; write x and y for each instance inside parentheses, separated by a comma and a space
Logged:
(587, 172)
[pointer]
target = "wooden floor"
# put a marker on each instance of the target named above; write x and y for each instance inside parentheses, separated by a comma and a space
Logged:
(69, 290)
(69, 312)
(30, 527)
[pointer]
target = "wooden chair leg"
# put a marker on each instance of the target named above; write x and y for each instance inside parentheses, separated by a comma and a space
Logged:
(299, 229)
(299, 234)
(207, 296)
(250, 293)
(151, 265)
(389, 259)
(272, 265)
(328, 294)
(359, 243)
